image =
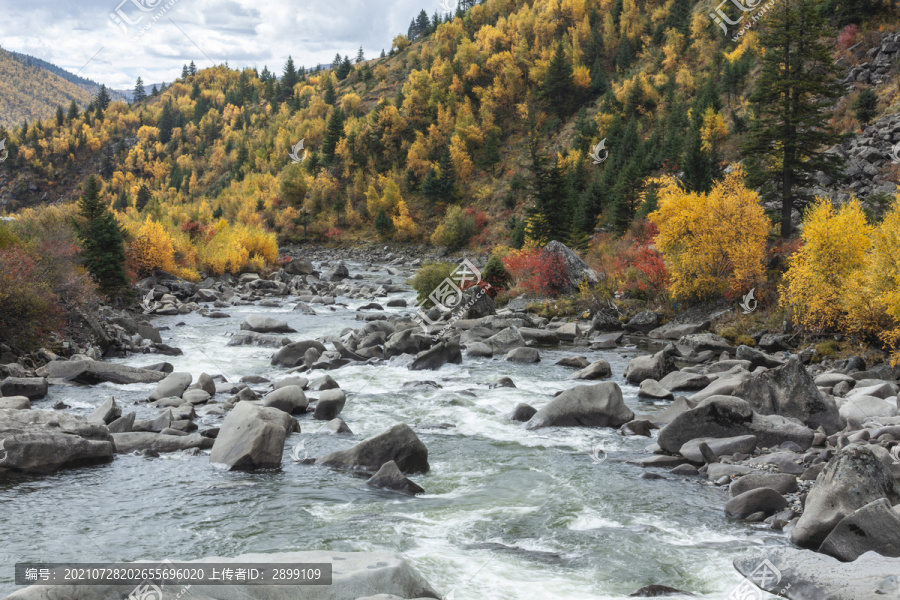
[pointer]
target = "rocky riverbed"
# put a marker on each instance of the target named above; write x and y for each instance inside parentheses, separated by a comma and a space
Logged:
(505, 456)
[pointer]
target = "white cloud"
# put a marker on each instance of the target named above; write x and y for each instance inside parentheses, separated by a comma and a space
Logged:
(239, 32)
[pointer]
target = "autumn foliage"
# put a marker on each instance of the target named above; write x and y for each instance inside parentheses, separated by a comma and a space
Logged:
(713, 244)
(539, 273)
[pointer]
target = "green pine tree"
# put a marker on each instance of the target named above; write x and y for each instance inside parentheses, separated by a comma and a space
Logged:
(383, 224)
(289, 79)
(139, 92)
(559, 83)
(73, 112)
(866, 106)
(143, 197)
(101, 240)
(799, 83)
(334, 131)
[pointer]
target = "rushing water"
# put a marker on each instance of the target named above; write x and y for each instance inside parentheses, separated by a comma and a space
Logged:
(508, 513)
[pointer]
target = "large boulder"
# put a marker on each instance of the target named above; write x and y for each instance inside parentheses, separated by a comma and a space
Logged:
(803, 575)
(355, 575)
(654, 366)
(40, 441)
(438, 356)
(106, 413)
(874, 527)
(605, 322)
(264, 324)
(173, 385)
(91, 372)
(860, 408)
(408, 341)
(330, 404)
(599, 405)
(33, 388)
(596, 370)
(479, 302)
(853, 478)
(336, 273)
(251, 437)
(292, 354)
(790, 391)
(298, 266)
(574, 269)
(764, 500)
(399, 444)
(505, 340)
(644, 322)
(126, 443)
(252, 338)
(523, 355)
(675, 331)
(390, 477)
(289, 398)
(783, 483)
(542, 337)
(728, 416)
(678, 381)
(699, 342)
(742, 444)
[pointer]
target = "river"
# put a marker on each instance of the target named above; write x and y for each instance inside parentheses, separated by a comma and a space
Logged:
(508, 513)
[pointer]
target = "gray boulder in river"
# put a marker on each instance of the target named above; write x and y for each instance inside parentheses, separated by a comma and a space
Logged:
(252, 437)
(654, 366)
(94, 371)
(41, 441)
(291, 354)
(728, 416)
(853, 478)
(399, 444)
(598, 405)
(790, 391)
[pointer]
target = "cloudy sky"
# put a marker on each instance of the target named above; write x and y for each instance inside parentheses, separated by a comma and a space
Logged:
(82, 35)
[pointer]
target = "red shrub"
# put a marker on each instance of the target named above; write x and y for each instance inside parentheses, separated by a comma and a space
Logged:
(30, 312)
(538, 272)
(847, 36)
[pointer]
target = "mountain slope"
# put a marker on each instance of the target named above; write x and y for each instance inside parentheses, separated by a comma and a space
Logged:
(31, 92)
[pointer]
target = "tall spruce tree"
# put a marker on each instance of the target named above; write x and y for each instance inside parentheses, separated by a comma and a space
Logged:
(139, 92)
(559, 83)
(101, 240)
(289, 79)
(794, 92)
(103, 98)
(334, 131)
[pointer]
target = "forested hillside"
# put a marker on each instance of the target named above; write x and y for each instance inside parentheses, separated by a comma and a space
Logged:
(30, 91)
(476, 128)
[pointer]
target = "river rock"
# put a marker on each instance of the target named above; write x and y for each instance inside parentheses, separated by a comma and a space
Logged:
(699, 342)
(574, 270)
(289, 399)
(438, 356)
(336, 273)
(728, 416)
(33, 388)
(654, 591)
(873, 527)
(723, 386)
(326, 382)
(173, 385)
(757, 358)
(106, 413)
(253, 338)
(123, 424)
(605, 323)
(505, 340)
(644, 322)
(576, 362)
(205, 383)
(805, 575)
(329, 405)
(408, 341)
(298, 266)
(860, 408)
(355, 575)
(678, 381)
(336, 425)
(39, 441)
(596, 370)
(599, 405)
(675, 331)
(522, 412)
(790, 391)
(650, 388)
(390, 477)
(523, 355)
(743, 444)
(783, 483)
(195, 397)
(764, 500)
(541, 337)
(655, 366)
(479, 349)
(16, 403)
(126, 443)
(252, 437)
(399, 443)
(853, 478)
(291, 354)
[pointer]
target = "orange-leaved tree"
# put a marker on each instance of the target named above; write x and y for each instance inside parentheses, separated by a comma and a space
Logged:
(715, 243)
(834, 253)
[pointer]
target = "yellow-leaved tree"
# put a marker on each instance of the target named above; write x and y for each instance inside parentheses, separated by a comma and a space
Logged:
(834, 252)
(714, 243)
(404, 226)
(151, 248)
